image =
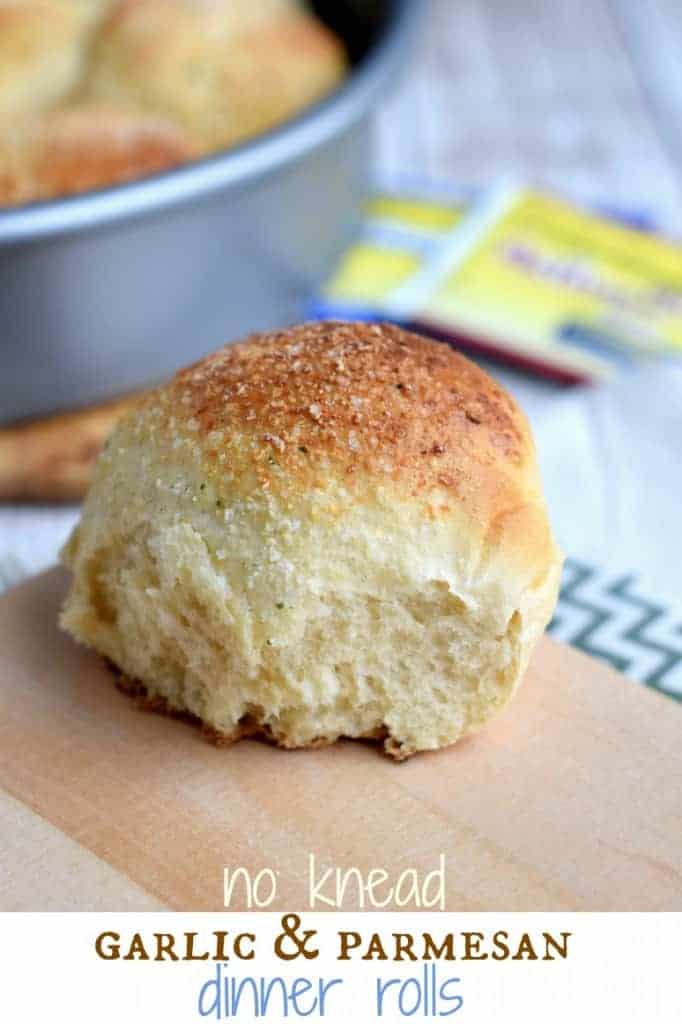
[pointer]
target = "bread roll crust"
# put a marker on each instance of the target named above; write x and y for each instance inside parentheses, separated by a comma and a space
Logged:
(375, 406)
(167, 81)
(40, 55)
(86, 147)
(91, 147)
(224, 71)
(43, 51)
(334, 530)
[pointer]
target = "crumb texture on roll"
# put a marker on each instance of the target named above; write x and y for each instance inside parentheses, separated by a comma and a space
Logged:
(334, 530)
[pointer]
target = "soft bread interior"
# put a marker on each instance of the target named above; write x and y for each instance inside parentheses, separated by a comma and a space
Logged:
(310, 630)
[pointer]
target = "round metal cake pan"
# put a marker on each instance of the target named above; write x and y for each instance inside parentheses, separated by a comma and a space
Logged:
(108, 292)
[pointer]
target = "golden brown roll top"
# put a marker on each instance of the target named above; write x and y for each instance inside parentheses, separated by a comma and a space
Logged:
(75, 150)
(374, 406)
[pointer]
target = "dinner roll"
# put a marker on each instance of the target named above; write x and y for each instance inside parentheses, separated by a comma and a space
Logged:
(333, 530)
(43, 49)
(225, 70)
(75, 150)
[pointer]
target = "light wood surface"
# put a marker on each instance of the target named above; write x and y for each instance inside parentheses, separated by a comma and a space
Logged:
(52, 459)
(41, 868)
(571, 800)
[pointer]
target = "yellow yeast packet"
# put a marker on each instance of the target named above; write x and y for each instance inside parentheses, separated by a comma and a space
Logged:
(403, 234)
(533, 279)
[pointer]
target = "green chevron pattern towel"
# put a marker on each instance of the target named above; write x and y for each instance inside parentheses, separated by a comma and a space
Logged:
(608, 618)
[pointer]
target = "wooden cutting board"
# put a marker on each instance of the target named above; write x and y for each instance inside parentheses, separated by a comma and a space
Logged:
(571, 800)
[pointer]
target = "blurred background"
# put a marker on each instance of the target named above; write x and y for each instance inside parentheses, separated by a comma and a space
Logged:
(584, 99)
